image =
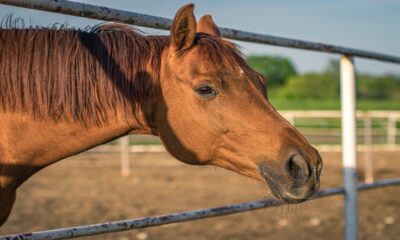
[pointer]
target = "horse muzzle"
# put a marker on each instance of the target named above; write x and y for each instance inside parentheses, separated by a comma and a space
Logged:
(296, 182)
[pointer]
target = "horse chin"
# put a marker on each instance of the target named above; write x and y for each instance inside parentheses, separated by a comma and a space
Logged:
(290, 195)
(288, 192)
(287, 197)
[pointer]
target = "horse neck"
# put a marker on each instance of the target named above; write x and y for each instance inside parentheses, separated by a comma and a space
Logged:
(141, 90)
(29, 142)
(148, 97)
(27, 145)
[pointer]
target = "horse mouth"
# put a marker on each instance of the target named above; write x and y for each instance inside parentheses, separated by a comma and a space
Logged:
(289, 195)
(286, 190)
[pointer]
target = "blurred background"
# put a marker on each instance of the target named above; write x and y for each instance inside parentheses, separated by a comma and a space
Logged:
(135, 177)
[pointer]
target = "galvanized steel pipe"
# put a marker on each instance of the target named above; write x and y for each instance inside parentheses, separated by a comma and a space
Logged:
(123, 225)
(111, 14)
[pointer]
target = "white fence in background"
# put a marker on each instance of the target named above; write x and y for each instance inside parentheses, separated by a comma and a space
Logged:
(388, 120)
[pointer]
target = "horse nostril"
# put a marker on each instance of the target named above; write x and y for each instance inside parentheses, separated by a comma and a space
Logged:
(298, 168)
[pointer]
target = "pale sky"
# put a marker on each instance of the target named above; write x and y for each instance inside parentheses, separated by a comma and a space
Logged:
(372, 25)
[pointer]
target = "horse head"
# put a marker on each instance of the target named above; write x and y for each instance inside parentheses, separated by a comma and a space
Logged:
(213, 109)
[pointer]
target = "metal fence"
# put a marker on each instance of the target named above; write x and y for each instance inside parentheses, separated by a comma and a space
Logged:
(347, 75)
(139, 223)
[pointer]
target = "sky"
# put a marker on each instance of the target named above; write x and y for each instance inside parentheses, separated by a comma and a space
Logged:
(372, 25)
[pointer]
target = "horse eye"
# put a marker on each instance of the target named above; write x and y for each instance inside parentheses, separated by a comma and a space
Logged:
(206, 92)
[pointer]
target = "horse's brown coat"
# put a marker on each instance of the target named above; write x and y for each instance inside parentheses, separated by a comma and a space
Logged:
(64, 91)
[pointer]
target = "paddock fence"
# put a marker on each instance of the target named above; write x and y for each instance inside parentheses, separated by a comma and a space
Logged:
(348, 119)
(377, 131)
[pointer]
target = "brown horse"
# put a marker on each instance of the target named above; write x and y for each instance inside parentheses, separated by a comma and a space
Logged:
(63, 91)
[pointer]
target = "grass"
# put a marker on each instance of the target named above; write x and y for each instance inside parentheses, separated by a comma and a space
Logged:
(333, 104)
(332, 123)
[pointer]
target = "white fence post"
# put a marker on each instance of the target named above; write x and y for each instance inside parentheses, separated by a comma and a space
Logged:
(368, 154)
(125, 164)
(349, 143)
(391, 130)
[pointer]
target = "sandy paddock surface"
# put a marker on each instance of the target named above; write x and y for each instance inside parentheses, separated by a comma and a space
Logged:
(88, 188)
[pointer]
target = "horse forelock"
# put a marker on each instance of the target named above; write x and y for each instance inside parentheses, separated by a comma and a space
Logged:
(216, 52)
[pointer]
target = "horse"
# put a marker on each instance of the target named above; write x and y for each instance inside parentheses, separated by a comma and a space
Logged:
(65, 90)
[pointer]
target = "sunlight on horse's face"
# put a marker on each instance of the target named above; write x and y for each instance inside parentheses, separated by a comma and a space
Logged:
(216, 112)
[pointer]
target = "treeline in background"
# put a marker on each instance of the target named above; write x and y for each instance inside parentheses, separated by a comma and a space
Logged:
(290, 90)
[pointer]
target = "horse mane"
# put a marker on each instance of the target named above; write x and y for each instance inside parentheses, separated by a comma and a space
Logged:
(78, 75)
(89, 76)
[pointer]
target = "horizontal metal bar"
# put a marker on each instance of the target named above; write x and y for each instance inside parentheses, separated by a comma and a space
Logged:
(111, 14)
(123, 225)
(92, 11)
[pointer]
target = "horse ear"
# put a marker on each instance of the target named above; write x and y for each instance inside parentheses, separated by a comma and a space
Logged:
(183, 29)
(207, 25)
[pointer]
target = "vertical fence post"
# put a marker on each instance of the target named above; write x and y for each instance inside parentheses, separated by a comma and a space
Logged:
(125, 164)
(368, 154)
(349, 143)
(391, 130)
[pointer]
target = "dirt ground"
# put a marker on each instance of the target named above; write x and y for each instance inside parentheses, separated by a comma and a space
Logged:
(89, 189)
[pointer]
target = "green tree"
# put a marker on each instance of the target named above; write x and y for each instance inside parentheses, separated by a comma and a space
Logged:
(311, 86)
(368, 86)
(277, 70)
(378, 87)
